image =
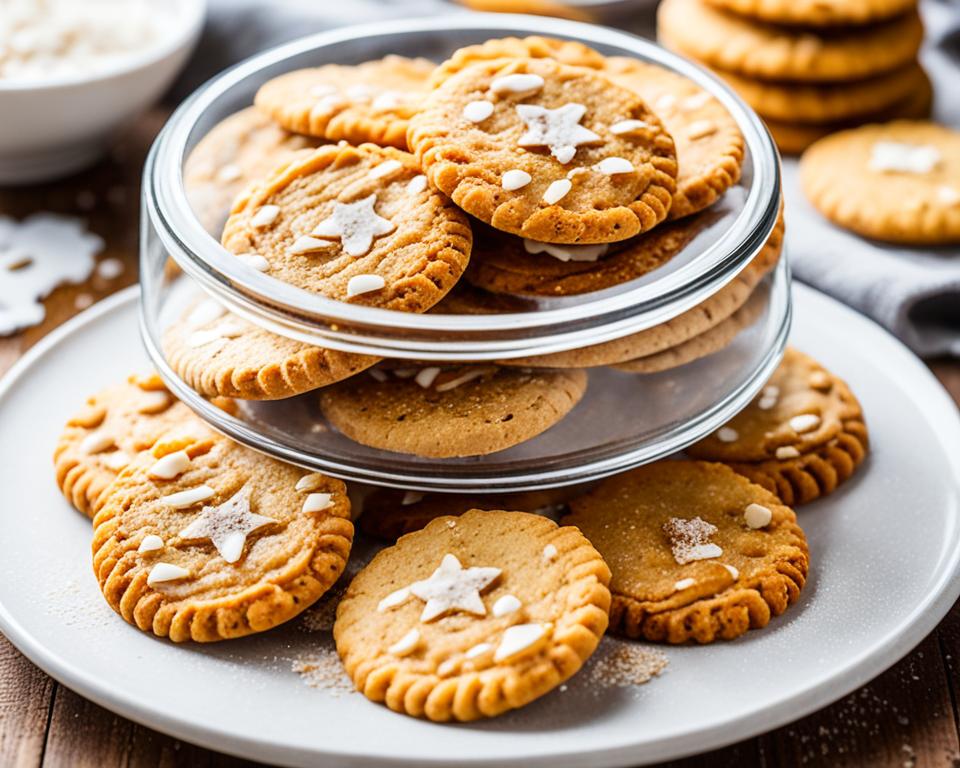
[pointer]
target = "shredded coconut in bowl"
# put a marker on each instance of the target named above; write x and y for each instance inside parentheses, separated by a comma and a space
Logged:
(47, 39)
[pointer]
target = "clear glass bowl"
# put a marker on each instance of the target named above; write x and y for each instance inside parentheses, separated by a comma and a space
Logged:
(624, 419)
(736, 228)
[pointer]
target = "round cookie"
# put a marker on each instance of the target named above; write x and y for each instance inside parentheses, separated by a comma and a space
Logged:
(794, 138)
(898, 181)
(217, 353)
(696, 551)
(679, 329)
(452, 411)
(389, 514)
(568, 52)
(767, 52)
(817, 13)
(535, 148)
(239, 149)
(372, 101)
(703, 344)
(203, 539)
(708, 140)
(357, 224)
(800, 438)
(113, 427)
(505, 264)
(473, 615)
(825, 103)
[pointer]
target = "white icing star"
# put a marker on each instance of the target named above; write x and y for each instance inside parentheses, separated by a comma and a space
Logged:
(453, 588)
(558, 129)
(227, 525)
(356, 224)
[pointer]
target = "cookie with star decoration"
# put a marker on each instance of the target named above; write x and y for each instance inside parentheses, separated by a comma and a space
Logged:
(473, 615)
(357, 224)
(550, 152)
(203, 539)
(697, 552)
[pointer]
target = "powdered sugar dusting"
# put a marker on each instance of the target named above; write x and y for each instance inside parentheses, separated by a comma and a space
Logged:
(690, 539)
(619, 664)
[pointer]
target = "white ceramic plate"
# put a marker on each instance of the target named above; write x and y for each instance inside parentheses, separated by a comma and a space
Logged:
(885, 565)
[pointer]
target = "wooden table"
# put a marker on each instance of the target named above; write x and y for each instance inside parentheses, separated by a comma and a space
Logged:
(907, 717)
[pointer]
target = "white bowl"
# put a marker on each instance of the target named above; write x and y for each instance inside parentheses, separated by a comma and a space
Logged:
(54, 127)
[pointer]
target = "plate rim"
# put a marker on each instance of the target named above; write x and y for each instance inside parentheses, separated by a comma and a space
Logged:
(881, 655)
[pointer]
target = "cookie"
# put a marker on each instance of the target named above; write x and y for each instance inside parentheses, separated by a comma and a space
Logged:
(708, 140)
(703, 344)
(568, 52)
(203, 539)
(800, 438)
(679, 329)
(744, 47)
(239, 149)
(806, 103)
(219, 354)
(545, 151)
(389, 514)
(506, 264)
(817, 13)
(451, 411)
(371, 102)
(473, 615)
(113, 427)
(898, 181)
(356, 224)
(696, 551)
(793, 138)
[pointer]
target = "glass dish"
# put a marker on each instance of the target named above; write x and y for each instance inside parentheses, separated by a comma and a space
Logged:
(624, 419)
(733, 231)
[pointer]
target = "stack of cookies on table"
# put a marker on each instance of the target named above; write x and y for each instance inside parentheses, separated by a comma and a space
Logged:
(515, 172)
(808, 68)
(538, 168)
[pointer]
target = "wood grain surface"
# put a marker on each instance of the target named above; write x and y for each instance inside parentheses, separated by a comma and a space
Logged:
(905, 718)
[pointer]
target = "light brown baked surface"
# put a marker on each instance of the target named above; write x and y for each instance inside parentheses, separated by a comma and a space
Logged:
(467, 160)
(566, 595)
(284, 566)
(627, 518)
(371, 102)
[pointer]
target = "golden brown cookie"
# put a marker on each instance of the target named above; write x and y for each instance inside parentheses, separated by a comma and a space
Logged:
(506, 264)
(742, 46)
(451, 411)
(696, 551)
(473, 615)
(708, 140)
(389, 514)
(535, 148)
(533, 47)
(217, 353)
(107, 434)
(897, 181)
(801, 437)
(239, 149)
(357, 224)
(817, 13)
(372, 101)
(808, 103)
(701, 345)
(203, 539)
(683, 327)
(793, 138)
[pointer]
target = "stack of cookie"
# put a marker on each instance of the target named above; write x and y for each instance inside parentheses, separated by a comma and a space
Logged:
(808, 68)
(472, 606)
(517, 171)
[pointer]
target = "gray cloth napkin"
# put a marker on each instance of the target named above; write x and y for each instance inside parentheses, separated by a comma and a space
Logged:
(914, 293)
